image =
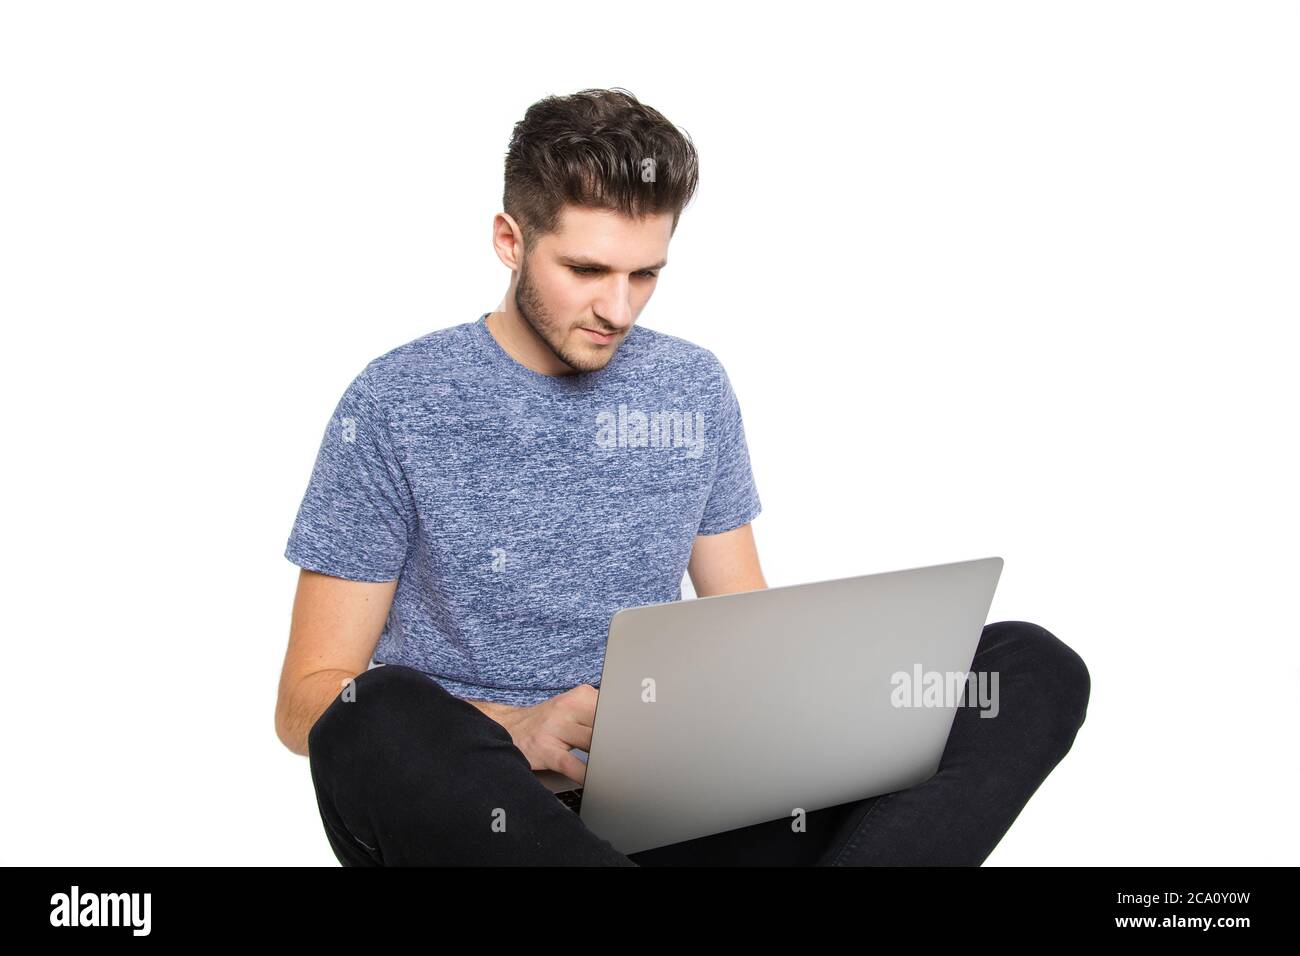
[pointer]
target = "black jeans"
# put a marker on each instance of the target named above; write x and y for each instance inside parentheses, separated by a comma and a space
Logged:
(408, 774)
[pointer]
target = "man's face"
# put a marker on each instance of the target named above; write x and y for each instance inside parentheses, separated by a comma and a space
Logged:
(596, 272)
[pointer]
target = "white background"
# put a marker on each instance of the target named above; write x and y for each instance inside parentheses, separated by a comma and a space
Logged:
(988, 278)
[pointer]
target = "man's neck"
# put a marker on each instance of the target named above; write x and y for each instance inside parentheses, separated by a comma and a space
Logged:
(517, 338)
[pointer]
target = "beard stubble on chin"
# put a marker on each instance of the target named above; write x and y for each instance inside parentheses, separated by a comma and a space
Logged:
(534, 312)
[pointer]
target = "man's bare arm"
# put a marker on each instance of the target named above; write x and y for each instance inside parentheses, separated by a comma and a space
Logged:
(336, 625)
(725, 563)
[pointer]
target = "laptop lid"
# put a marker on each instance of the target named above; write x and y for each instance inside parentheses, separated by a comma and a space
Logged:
(725, 711)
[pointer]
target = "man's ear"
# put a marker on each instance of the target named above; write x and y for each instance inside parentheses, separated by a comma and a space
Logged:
(508, 241)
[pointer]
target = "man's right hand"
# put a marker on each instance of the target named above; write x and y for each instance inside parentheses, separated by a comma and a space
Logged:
(546, 732)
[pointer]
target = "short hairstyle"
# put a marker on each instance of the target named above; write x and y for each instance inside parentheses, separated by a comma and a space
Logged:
(590, 149)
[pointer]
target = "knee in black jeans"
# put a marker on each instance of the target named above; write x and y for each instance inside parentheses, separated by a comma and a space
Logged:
(388, 749)
(1050, 684)
(393, 702)
(382, 704)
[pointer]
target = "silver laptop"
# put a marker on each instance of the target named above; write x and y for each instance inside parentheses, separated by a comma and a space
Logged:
(721, 712)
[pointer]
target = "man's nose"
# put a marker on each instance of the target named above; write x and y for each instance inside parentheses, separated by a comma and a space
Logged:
(615, 306)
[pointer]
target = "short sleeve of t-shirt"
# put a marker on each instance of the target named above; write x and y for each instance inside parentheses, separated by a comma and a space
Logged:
(733, 500)
(357, 517)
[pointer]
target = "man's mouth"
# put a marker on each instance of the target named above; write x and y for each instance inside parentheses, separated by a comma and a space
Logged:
(600, 338)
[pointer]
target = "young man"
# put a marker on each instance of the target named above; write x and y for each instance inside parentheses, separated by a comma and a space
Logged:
(487, 496)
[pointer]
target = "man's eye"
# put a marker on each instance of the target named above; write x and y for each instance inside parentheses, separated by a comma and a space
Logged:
(588, 270)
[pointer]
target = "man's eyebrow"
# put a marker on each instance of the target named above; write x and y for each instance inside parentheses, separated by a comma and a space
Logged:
(586, 263)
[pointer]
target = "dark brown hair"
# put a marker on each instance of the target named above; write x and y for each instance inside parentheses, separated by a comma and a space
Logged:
(589, 149)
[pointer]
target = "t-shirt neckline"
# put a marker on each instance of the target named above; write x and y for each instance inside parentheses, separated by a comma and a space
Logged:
(579, 383)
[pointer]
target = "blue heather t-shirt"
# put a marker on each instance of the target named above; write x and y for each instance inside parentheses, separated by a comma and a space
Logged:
(519, 511)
